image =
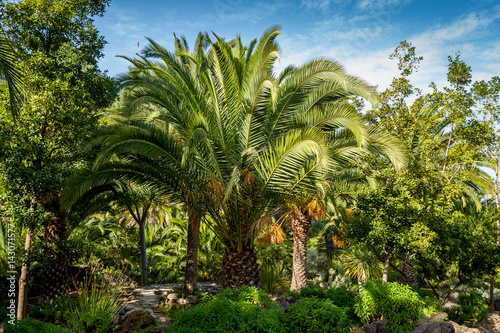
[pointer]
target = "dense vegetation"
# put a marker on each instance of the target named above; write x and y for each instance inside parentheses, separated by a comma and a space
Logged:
(205, 164)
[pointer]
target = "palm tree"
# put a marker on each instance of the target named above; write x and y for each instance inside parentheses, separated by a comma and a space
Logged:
(138, 201)
(361, 263)
(253, 140)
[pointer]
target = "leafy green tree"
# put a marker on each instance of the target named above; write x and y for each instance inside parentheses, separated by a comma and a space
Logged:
(487, 97)
(59, 47)
(409, 215)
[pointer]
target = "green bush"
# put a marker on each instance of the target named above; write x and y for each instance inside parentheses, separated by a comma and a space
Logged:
(316, 315)
(341, 297)
(397, 303)
(93, 311)
(33, 326)
(471, 307)
(246, 309)
(244, 294)
(51, 312)
(432, 305)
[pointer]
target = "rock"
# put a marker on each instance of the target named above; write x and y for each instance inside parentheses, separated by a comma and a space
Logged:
(284, 302)
(435, 327)
(376, 327)
(490, 323)
(139, 319)
(192, 299)
(440, 316)
(172, 296)
(128, 289)
(462, 329)
(182, 301)
(423, 321)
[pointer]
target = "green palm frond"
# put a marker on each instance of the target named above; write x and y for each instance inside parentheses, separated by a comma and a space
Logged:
(11, 74)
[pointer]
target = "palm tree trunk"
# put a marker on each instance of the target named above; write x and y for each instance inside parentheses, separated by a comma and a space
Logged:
(193, 241)
(492, 293)
(301, 222)
(407, 274)
(240, 269)
(22, 302)
(144, 259)
(385, 277)
(56, 268)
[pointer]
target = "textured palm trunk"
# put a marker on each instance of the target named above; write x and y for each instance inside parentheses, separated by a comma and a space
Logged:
(407, 274)
(385, 277)
(144, 259)
(55, 270)
(193, 241)
(301, 222)
(240, 269)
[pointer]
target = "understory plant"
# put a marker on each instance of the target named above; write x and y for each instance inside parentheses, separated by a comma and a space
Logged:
(30, 325)
(341, 297)
(246, 309)
(397, 303)
(471, 307)
(316, 315)
(93, 311)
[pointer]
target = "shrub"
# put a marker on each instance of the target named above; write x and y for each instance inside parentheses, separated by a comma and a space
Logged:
(471, 307)
(245, 294)
(432, 305)
(316, 315)
(93, 311)
(246, 309)
(341, 297)
(33, 326)
(51, 312)
(400, 305)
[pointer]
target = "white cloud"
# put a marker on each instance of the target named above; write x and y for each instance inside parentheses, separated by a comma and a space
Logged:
(322, 4)
(394, 6)
(237, 10)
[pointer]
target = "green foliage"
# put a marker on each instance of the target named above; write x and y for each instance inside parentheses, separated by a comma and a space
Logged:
(341, 297)
(235, 310)
(93, 311)
(245, 294)
(274, 259)
(316, 315)
(432, 305)
(51, 312)
(29, 325)
(402, 306)
(471, 307)
(272, 279)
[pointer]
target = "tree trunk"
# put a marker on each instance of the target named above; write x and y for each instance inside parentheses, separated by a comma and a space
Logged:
(385, 277)
(492, 293)
(22, 302)
(144, 259)
(301, 222)
(56, 267)
(240, 269)
(193, 241)
(407, 274)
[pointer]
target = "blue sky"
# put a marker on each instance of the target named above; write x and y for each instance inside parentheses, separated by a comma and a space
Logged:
(360, 34)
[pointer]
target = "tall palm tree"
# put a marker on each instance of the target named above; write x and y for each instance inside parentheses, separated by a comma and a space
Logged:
(232, 135)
